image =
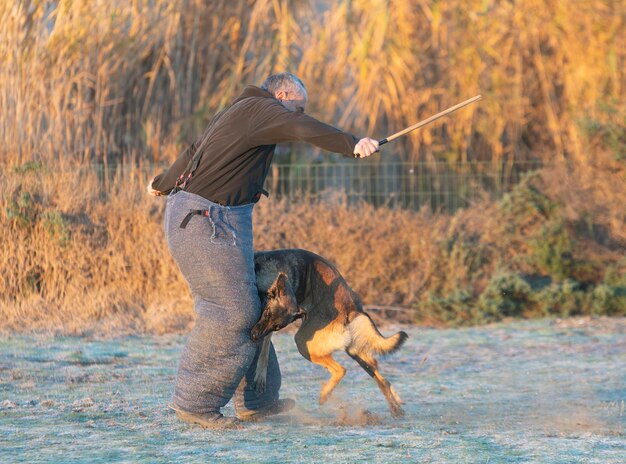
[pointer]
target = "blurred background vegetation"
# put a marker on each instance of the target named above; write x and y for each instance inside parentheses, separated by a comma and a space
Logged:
(131, 83)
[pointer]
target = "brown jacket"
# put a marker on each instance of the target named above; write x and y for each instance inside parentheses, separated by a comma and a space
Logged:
(238, 145)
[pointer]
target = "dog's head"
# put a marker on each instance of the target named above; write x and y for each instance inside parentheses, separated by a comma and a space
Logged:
(280, 308)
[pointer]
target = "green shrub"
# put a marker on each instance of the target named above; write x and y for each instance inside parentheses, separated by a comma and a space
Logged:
(526, 200)
(609, 297)
(31, 166)
(22, 208)
(57, 226)
(506, 295)
(609, 126)
(607, 300)
(552, 251)
(560, 299)
(455, 308)
(615, 275)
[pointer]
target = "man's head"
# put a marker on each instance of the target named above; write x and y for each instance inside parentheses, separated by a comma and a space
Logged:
(288, 89)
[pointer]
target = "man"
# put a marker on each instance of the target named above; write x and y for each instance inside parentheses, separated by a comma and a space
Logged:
(212, 188)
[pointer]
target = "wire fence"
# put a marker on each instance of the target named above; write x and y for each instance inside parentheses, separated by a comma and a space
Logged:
(441, 186)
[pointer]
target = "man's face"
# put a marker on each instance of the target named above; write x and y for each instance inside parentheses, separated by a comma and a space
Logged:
(291, 101)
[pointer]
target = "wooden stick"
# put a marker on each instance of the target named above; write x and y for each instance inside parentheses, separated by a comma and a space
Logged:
(429, 120)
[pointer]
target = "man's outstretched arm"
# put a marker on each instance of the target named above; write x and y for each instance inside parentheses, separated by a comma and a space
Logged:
(276, 124)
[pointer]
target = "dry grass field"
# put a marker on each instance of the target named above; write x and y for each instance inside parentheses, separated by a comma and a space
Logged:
(131, 83)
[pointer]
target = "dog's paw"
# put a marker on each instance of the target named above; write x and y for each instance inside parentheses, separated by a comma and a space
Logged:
(397, 411)
(324, 398)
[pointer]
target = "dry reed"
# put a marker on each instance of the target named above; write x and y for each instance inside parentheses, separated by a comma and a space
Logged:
(117, 81)
(130, 83)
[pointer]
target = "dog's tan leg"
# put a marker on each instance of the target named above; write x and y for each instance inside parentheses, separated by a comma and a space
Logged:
(393, 400)
(370, 365)
(337, 371)
(260, 373)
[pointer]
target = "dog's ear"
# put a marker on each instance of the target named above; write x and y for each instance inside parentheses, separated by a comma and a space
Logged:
(279, 286)
(271, 293)
(282, 283)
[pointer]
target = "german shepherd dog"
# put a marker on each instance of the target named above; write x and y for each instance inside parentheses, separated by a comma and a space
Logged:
(296, 284)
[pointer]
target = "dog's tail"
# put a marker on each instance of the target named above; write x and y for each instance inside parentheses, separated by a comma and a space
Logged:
(366, 337)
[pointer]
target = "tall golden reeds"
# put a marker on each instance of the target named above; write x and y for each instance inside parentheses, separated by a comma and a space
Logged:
(130, 83)
(97, 81)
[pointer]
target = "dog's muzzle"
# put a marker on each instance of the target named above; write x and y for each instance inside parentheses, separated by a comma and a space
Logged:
(256, 333)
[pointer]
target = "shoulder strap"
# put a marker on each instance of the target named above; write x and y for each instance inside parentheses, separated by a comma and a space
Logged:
(185, 177)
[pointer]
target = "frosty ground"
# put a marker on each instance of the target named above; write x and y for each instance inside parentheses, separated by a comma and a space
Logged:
(533, 391)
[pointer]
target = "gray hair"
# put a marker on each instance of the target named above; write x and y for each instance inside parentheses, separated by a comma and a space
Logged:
(285, 81)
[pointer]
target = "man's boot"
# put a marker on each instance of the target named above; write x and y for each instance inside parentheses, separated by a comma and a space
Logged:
(279, 407)
(213, 420)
